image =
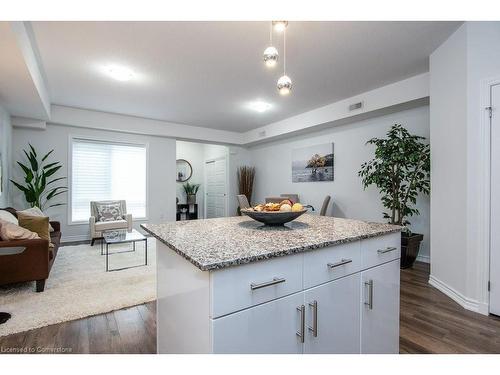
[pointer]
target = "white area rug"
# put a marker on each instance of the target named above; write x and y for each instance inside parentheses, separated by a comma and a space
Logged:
(78, 286)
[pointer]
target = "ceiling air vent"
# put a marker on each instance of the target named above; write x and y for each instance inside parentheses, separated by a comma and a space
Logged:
(355, 106)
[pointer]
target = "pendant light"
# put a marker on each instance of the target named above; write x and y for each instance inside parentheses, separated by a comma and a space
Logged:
(271, 53)
(284, 82)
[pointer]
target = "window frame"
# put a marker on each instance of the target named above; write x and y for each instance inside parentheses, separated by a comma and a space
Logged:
(103, 140)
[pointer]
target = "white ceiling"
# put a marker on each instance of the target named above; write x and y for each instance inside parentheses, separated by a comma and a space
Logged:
(204, 73)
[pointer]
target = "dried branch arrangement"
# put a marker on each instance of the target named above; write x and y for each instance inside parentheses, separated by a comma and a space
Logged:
(246, 176)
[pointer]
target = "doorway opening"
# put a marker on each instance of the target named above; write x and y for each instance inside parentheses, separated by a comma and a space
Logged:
(202, 180)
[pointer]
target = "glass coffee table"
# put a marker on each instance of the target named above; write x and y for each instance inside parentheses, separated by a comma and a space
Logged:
(121, 236)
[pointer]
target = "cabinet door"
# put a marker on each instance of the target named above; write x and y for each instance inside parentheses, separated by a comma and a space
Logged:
(380, 309)
(268, 328)
(337, 316)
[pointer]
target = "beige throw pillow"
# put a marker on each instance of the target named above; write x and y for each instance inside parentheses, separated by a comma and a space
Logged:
(35, 211)
(37, 224)
(10, 231)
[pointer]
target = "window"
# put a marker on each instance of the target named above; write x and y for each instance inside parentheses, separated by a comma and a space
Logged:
(103, 171)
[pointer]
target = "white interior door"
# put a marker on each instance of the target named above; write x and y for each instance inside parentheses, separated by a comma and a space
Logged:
(215, 196)
(495, 203)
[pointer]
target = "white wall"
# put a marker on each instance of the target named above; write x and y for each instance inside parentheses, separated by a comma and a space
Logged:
(483, 61)
(274, 172)
(161, 170)
(448, 119)
(6, 152)
(458, 69)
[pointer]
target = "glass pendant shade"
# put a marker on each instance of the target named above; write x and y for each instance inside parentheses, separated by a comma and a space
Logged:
(284, 85)
(271, 56)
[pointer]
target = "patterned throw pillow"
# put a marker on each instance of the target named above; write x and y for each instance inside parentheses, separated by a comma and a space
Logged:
(109, 212)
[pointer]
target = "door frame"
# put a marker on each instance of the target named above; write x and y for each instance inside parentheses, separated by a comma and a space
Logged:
(485, 194)
(226, 182)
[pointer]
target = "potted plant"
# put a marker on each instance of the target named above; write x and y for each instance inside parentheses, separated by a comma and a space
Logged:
(246, 176)
(191, 190)
(38, 188)
(400, 170)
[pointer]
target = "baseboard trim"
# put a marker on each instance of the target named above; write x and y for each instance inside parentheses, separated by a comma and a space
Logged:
(424, 258)
(75, 238)
(465, 302)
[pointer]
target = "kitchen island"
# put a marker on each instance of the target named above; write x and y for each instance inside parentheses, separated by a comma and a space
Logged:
(316, 285)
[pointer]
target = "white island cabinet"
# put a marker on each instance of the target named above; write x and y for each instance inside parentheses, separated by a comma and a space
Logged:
(338, 298)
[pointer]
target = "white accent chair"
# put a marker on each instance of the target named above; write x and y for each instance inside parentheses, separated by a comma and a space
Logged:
(97, 227)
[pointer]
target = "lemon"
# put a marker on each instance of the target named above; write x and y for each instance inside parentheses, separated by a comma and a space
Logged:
(297, 207)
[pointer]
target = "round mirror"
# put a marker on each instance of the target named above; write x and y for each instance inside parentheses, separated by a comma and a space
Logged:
(184, 170)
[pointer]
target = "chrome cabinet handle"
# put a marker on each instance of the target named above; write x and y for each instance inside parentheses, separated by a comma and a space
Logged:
(314, 328)
(274, 281)
(386, 250)
(301, 332)
(370, 294)
(338, 264)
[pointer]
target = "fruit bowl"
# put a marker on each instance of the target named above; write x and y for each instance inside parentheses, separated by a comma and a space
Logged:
(273, 218)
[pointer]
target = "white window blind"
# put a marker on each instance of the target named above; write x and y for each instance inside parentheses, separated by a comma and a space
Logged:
(104, 171)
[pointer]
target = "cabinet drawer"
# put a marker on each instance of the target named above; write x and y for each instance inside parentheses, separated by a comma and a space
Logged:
(269, 328)
(380, 249)
(237, 288)
(327, 264)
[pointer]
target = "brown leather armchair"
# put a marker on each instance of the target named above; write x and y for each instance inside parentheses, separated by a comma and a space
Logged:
(32, 264)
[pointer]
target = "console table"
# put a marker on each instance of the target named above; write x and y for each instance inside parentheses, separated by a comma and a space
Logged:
(190, 211)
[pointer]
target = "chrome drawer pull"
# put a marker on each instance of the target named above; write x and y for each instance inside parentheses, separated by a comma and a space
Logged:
(386, 250)
(314, 328)
(370, 294)
(274, 281)
(338, 264)
(302, 333)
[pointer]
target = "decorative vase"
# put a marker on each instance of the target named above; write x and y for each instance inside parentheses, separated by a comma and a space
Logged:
(191, 199)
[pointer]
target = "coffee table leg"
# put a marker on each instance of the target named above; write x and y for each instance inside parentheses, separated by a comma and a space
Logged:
(107, 253)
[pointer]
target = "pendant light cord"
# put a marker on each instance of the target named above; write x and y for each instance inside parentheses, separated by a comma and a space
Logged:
(271, 34)
(284, 52)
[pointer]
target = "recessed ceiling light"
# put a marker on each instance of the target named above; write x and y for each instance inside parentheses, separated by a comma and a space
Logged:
(259, 106)
(118, 72)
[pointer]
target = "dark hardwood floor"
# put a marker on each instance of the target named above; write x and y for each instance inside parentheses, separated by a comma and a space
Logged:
(131, 331)
(430, 323)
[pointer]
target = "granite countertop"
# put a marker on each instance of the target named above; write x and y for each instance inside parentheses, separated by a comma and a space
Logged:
(212, 244)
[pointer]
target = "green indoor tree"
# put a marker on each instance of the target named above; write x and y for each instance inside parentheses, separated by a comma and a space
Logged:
(400, 170)
(38, 188)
